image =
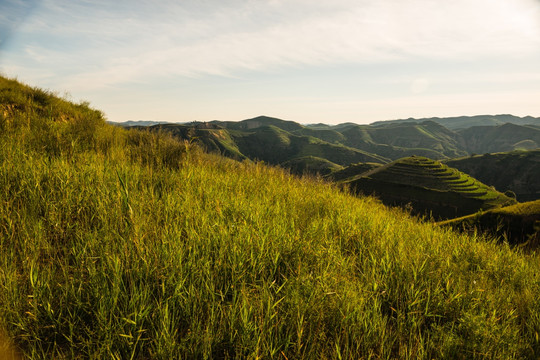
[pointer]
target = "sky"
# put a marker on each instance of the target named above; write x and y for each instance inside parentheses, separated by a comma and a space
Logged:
(310, 61)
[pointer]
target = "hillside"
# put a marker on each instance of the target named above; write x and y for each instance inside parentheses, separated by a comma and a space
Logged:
(311, 165)
(130, 244)
(351, 171)
(428, 187)
(269, 143)
(401, 140)
(279, 141)
(463, 122)
(517, 224)
(507, 137)
(517, 171)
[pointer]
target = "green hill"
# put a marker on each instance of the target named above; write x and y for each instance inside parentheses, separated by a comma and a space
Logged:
(130, 244)
(348, 143)
(310, 165)
(399, 140)
(517, 171)
(268, 143)
(463, 122)
(429, 187)
(210, 138)
(518, 224)
(258, 122)
(507, 137)
(352, 171)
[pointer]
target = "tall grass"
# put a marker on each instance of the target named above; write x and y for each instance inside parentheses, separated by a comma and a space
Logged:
(134, 246)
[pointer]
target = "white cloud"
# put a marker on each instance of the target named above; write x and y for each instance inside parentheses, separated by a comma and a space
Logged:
(120, 41)
(84, 46)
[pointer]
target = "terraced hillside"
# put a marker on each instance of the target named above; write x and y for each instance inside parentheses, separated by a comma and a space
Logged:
(430, 187)
(518, 171)
(518, 224)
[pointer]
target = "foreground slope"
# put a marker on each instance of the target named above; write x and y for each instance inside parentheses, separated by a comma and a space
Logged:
(130, 244)
(429, 187)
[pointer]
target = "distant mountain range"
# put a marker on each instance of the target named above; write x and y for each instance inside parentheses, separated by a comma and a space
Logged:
(376, 158)
(463, 122)
(279, 141)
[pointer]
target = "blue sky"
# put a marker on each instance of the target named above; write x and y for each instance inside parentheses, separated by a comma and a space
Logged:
(309, 61)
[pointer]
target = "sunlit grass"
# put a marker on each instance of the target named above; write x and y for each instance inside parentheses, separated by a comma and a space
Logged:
(138, 246)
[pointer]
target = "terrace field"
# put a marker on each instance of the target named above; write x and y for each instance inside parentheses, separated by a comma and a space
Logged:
(428, 187)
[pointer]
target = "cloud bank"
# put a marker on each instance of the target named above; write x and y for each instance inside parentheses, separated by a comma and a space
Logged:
(115, 42)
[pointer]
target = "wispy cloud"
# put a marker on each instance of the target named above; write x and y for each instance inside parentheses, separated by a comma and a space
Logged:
(113, 42)
(407, 53)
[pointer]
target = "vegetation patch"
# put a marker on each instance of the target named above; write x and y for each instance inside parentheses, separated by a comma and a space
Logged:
(518, 224)
(135, 245)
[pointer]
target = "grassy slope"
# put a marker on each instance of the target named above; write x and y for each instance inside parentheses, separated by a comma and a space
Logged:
(310, 165)
(519, 224)
(128, 244)
(428, 186)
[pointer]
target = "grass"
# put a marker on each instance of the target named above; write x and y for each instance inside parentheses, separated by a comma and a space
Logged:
(137, 246)
(518, 224)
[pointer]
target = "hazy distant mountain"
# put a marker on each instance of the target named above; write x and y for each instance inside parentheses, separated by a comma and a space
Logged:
(259, 140)
(507, 137)
(462, 122)
(131, 123)
(319, 147)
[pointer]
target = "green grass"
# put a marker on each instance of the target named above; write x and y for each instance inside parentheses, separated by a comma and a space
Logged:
(310, 165)
(134, 245)
(518, 224)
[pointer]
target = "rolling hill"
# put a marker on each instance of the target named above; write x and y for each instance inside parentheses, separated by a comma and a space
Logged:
(257, 140)
(131, 244)
(517, 171)
(279, 141)
(463, 122)
(507, 137)
(428, 187)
